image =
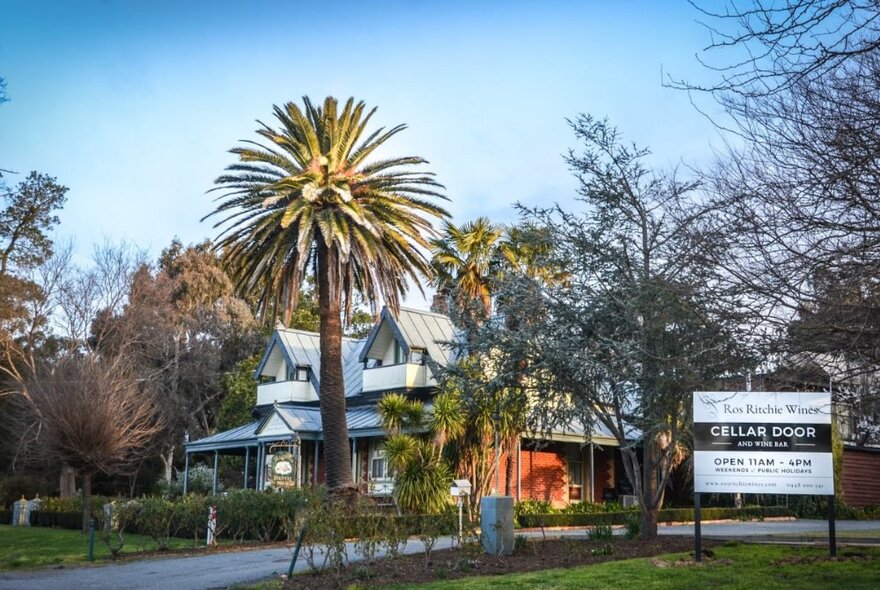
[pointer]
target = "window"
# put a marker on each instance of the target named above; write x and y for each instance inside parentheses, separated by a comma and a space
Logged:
(298, 373)
(378, 466)
(843, 415)
(372, 363)
(575, 481)
(417, 356)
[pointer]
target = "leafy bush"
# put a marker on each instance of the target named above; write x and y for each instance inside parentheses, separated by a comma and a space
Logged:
(530, 506)
(60, 520)
(595, 508)
(156, 518)
(600, 532)
(201, 481)
(633, 526)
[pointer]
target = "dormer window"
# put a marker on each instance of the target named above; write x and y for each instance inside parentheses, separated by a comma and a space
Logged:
(372, 363)
(298, 373)
(417, 356)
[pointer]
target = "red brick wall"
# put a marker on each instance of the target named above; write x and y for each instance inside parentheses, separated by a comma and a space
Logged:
(544, 476)
(861, 477)
(603, 471)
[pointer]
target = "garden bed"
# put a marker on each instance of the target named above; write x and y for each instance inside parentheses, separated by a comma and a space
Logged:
(451, 564)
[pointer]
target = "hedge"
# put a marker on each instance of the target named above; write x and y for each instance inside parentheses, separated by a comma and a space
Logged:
(5, 516)
(60, 520)
(665, 515)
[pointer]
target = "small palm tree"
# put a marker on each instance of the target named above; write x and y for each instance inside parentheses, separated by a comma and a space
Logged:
(313, 199)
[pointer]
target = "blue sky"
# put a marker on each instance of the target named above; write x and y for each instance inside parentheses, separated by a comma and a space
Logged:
(133, 105)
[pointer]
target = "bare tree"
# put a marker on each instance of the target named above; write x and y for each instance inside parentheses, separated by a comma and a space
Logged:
(92, 413)
(799, 183)
(760, 48)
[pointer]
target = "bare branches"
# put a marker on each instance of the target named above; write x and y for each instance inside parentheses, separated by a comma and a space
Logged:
(93, 414)
(761, 48)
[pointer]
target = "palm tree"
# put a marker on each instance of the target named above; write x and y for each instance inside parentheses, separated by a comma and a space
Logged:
(311, 198)
(463, 261)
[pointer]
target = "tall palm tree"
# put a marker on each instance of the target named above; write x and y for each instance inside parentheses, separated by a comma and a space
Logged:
(312, 198)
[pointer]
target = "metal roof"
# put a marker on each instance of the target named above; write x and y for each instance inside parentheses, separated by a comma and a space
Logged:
(305, 421)
(426, 330)
(414, 328)
(301, 348)
(235, 438)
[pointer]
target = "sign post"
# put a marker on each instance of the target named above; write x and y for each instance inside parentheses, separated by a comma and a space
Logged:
(763, 443)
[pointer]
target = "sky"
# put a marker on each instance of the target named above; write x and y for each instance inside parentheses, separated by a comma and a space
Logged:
(134, 105)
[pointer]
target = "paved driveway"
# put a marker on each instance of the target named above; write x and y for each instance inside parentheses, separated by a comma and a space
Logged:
(226, 569)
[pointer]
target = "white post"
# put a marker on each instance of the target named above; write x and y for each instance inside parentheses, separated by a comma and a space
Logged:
(460, 503)
(212, 525)
(592, 474)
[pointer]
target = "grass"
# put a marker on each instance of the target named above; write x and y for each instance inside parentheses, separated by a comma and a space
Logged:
(735, 566)
(30, 547)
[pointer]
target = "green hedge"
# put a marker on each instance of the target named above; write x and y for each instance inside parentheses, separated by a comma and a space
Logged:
(665, 515)
(59, 520)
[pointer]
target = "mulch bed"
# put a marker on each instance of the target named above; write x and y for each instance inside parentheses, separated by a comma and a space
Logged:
(451, 564)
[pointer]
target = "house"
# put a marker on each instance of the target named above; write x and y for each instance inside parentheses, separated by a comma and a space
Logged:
(561, 465)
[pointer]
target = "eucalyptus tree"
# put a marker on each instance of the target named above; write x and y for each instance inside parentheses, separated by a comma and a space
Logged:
(638, 323)
(312, 197)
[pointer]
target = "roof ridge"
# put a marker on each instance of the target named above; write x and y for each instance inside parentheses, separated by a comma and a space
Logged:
(315, 334)
(425, 312)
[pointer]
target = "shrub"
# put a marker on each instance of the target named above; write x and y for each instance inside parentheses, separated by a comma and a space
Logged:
(665, 515)
(156, 518)
(191, 512)
(530, 506)
(633, 526)
(201, 481)
(600, 532)
(594, 508)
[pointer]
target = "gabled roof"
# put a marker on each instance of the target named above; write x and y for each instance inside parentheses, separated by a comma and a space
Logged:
(414, 328)
(301, 348)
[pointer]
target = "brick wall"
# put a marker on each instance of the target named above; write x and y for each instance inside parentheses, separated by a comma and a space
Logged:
(544, 476)
(603, 471)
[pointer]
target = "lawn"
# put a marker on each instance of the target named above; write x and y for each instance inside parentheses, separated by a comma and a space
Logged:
(28, 547)
(736, 566)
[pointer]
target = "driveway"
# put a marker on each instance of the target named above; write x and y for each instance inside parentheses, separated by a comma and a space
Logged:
(222, 570)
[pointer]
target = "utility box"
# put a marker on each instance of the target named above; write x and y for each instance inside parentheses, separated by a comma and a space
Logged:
(629, 500)
(496, 523)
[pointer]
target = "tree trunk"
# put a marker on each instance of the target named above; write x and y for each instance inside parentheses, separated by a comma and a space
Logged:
(167, 464)
(67, 483)
(650, 482)
(511, 448)
(86, 500)
(337, 454)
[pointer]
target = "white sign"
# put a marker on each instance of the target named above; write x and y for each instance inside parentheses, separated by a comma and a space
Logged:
(763, 443)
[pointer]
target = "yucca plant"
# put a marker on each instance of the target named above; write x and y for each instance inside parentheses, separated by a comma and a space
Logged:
(421, 474)
(312, 198)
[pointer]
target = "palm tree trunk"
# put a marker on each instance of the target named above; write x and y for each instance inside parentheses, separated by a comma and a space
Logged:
(337, 455)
